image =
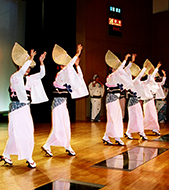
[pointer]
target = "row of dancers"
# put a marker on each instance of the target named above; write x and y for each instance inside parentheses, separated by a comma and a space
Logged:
(28, 89)
(129, 78)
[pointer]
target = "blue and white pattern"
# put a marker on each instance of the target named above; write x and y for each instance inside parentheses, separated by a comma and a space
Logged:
(68, 87)
(16, 105)
(111, 98)
(145, 101)
(57, 101)
(133, 100)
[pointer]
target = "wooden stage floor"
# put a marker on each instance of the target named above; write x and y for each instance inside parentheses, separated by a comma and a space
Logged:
(87, 142)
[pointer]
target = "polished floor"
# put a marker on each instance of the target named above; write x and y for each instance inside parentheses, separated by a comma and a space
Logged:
(137, 165)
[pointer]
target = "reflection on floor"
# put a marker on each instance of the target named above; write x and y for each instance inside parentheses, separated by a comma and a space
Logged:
(131, 159)
(164, 138)
(70, 185)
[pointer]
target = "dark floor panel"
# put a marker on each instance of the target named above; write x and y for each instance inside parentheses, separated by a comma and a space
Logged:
(70, 185)
(131, 159)
(164, 138)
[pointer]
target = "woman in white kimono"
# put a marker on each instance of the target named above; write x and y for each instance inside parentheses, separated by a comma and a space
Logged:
(68, 80)
(135, 122)
(161, 98)
(116, 81)
(20, 126)
(149, 109)
(96, 90)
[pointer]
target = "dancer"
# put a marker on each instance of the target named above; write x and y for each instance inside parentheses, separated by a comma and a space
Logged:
(68, 80)
(20, 126)
(150, 119)
(161, 98)
(135, 123)
(96, 90)
(115, 81)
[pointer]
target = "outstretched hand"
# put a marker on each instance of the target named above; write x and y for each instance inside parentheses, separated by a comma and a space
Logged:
(133, 58)
(127, 56)
(42, 57)
(32, 54)
(79, 49)
(159, 64)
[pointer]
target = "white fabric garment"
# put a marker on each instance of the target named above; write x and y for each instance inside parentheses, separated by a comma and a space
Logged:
(21, 134)
(33, 84)
(60, 134)
(150, 120)
(160, 92)
(69, 76)
(120, 77)
(122, 102)
(38, 94)
(17, 82)
(135, 123)
(20, 126)
(138, 84)
(114, 126)
(152, 84)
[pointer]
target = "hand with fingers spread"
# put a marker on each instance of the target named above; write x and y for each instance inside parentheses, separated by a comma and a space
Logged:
(42, 57)
(79, 50)
(32, 54)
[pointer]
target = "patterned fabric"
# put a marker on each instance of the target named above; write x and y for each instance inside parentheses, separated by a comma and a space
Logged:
(111, 98)
(57, 101)
(16, 105)
(133, 101)
(145, 101)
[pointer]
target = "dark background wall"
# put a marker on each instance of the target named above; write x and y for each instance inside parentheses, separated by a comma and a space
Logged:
(136, 35)
(49, 23)
(67, 23)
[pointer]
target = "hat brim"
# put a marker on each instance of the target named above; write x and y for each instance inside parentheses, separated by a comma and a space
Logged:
(20, 55)
(60, 56)
(112, 60)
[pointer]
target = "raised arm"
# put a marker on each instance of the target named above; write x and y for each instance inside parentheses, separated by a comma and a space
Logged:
(79, 50)
(42, 67)
(156, 69)
(164, 78)
(124, 61)
(22, 70)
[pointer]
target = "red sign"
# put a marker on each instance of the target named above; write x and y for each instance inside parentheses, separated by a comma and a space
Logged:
(115, 22)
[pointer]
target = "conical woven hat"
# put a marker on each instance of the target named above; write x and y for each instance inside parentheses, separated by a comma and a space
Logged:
(20, 55)
(135, 69)
(112, 60)
(149, 67)
(60, 56)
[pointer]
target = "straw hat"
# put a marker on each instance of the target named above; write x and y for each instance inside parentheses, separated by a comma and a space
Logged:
(149, 67)
(20, 55)
(112, 60)
(135, 69)
(60, 56)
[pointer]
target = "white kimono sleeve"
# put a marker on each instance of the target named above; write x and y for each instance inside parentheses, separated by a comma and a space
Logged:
(120, 77)
(152, 84)
(17, 82)
(82, 90)
(38, 94)
(69, 77)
